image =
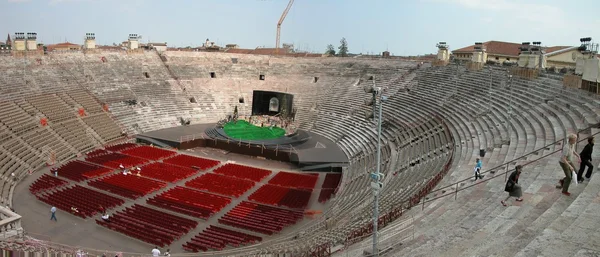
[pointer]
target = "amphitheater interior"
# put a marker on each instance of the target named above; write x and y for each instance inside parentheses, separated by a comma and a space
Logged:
(66, 107)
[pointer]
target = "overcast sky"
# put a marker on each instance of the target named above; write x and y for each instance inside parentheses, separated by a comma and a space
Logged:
(403, 27)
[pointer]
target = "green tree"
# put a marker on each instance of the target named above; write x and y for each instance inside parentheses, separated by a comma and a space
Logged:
(330, 50)
(343, 48)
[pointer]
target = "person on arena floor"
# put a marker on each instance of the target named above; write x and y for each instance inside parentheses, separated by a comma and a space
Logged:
(53, 211)
(586, 160)
(155, 251)
(477, 170)
(566, 163)
(512, 186)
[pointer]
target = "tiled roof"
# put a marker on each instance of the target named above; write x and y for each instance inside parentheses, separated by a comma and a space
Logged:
(494, 47)
(62, 45)
(240, 51)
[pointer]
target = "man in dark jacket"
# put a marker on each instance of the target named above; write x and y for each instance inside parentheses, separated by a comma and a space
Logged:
(586, 160)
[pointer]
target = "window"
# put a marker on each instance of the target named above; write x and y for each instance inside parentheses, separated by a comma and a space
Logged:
(241, 100)
(508, 59)
(234, 60)
(370, 77)
(497, 58)
(193, 100)
(261, 77)
(146, 75)
(315, 79)
(213, 75)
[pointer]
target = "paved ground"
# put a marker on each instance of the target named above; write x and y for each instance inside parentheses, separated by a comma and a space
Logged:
(75, 231)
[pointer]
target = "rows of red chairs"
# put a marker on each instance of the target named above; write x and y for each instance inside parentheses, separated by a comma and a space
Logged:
(149, 152)
(260, 218)
(295, 180)
(326, 194)
(190, 202)
(46, 182)
(243, 172)
(191, 162)
(120, 147)
(149, 225)
(79, 171)
(218, 238)
(332, 180)
(130, 186)
(86, 201)
(330, 184)
(282, 196)
(167, 172)
(113, 160)
(220, 184)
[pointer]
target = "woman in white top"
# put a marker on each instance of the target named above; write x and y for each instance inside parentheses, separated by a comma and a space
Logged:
(566, 162)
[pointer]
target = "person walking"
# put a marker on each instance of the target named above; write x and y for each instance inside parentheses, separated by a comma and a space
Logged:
(566, 163)
(586, 160)
(477, 169)
(512, 186)
(53, 211)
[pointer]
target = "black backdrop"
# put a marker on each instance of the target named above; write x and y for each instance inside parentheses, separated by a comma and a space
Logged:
(261, 100)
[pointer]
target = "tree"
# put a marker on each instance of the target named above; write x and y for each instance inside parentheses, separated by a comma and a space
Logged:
(343, 48)
(330, 50)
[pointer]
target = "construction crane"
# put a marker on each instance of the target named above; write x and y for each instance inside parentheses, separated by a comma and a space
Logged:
(285, 12)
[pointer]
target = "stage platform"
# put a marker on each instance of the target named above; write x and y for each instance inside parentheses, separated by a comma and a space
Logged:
(305, 149)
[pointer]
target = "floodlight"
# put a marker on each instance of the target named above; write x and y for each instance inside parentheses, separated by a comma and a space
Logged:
(368, 89)
(369, 102)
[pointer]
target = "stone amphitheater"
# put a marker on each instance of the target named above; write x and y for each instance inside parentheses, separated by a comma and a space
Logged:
(436, 122)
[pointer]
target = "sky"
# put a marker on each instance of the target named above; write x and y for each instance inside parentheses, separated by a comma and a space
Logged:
(403, 27)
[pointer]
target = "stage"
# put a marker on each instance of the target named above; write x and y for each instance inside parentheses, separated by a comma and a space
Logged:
(308, 150)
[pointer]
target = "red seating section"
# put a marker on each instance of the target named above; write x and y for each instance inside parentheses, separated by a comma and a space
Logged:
(149, 152)
(281, 196)
(130, 186)
(330, 184)
(260, 218)
(113, 160)
(217, 238)
(46, 182)
(295, 180)
(80, 171)
(221, 184)
(190, 202)
(166, 172)
(120, 147)
(149, 225)
(244, 172)
(191, 162)
(87, 201)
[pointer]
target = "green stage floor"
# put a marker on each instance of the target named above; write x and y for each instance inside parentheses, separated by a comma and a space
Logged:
(245, 131)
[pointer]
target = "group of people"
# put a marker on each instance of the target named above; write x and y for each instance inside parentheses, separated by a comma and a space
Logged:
(569, 157)
(130, 171)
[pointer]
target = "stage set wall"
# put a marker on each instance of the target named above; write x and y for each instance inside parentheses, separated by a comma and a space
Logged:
(261, 100)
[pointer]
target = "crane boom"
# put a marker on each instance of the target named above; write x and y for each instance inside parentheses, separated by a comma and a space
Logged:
(285, 12)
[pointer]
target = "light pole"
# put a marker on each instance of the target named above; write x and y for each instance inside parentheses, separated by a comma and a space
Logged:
(377, 176)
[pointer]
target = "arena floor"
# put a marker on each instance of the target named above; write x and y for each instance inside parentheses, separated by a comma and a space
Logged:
(77, 232)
